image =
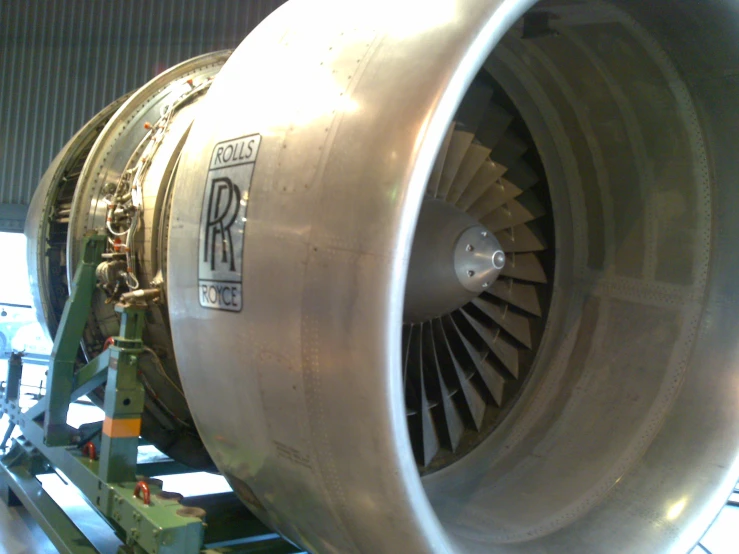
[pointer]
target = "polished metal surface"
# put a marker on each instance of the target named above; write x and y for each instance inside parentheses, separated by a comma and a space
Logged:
(625, 438)
(478, 259)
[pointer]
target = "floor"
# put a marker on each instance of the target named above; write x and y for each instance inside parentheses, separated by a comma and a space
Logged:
(19, 534)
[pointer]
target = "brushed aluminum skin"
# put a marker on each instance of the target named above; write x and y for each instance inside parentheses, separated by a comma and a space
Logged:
(625, 438)
(294, 210)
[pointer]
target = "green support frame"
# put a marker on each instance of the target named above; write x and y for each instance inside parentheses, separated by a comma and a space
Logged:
(60, 379)
(146, 519)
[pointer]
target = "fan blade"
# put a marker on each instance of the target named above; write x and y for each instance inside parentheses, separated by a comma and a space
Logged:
(474, 106)
(413, 371)
(406, 346)
(423, 437)
(467, 354)
(493, 126)
(430, 439)
(448, 423)
(470, 404)
(506, 352)
(436, 391)
(470, 357)
(454, 423)
(473, 160)
(433, 184)
(523, 175)
(526, 267)
(516, 325)
(493, 380)
(501, 192)
(421, 424)
(509, 150)
(485, 178)
(460, 143)
(520, 210)
(522, 238)
(428, 432)
(521, 295)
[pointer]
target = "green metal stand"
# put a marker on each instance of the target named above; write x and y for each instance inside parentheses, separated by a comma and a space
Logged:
(60, 380)
(146, 519)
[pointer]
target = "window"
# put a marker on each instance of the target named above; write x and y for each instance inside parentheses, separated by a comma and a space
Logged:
(19, 329)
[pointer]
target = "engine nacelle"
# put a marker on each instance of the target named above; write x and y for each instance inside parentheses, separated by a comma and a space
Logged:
(442, 276)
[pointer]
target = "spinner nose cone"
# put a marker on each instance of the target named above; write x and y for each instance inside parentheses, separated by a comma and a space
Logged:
(478, 259)
(453, 260)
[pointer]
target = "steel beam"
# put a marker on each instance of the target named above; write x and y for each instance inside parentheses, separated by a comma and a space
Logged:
(62, 532)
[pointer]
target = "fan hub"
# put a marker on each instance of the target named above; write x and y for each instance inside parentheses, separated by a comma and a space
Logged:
(454, 259)
(478, 259)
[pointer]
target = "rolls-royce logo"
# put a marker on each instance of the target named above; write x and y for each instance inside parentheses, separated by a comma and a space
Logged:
(223, 207)
(223, 222)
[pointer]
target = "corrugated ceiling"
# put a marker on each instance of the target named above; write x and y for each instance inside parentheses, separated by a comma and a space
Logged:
(63, 61)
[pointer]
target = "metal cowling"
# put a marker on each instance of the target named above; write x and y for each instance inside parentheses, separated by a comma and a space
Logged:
(623, 436)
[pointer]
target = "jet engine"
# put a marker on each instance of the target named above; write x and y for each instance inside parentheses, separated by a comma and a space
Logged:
(437, 277)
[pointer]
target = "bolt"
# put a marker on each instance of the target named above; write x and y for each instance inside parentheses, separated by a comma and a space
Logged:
(470, 248)
(484, 234)
(499, 259)
(485, 285)
(470, 273)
